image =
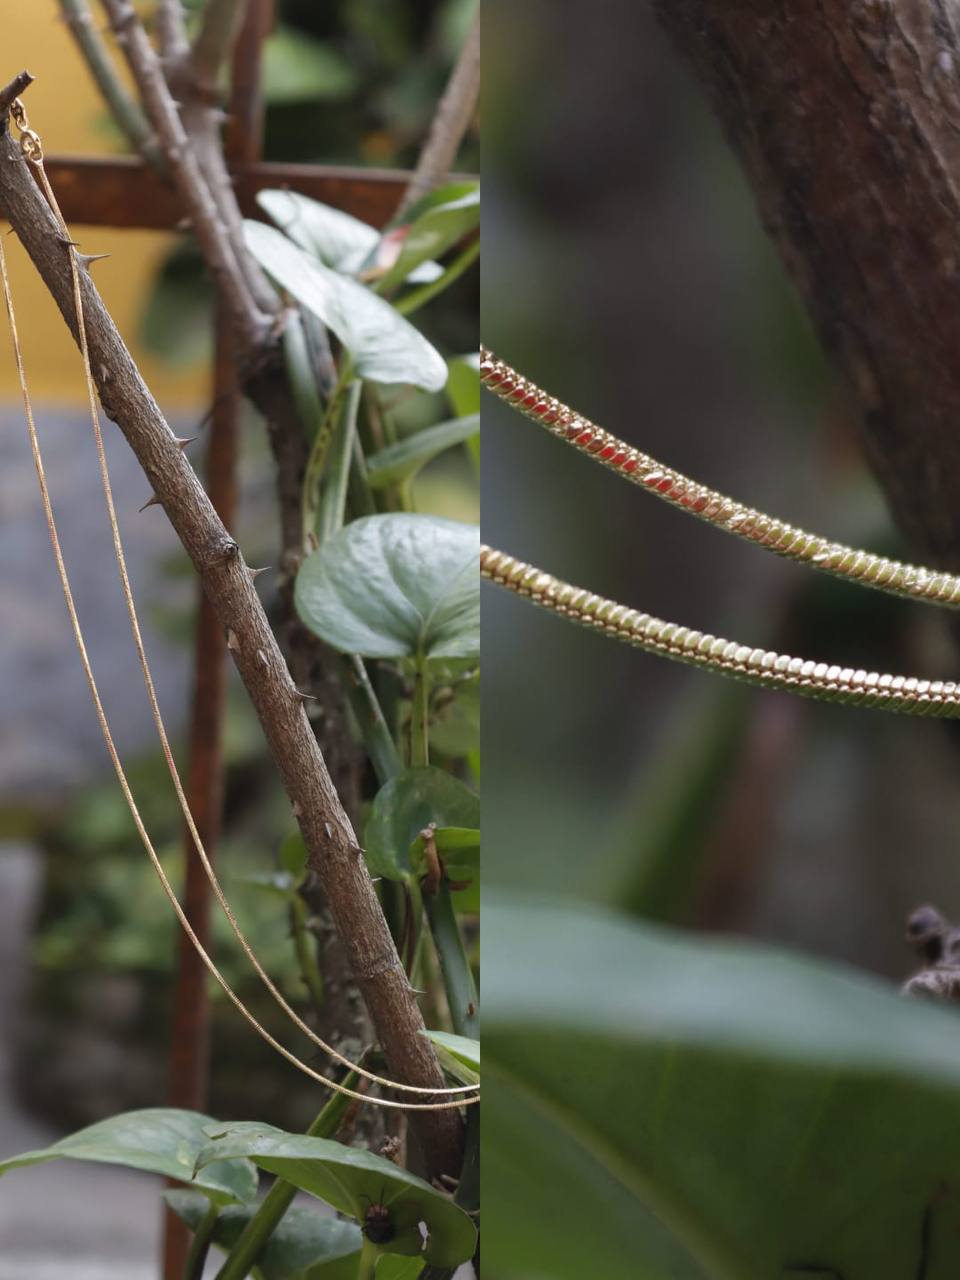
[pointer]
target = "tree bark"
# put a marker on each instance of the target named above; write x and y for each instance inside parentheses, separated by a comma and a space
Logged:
(330, 840)
(846, 117)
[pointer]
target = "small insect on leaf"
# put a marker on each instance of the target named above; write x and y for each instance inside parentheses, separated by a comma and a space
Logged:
(377, 1223)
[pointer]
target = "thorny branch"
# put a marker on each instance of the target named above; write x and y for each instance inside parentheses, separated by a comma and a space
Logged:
(328, 835)
(125, 111)
(252, 327)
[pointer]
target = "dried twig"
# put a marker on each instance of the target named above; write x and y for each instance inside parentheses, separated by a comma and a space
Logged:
(451, 120)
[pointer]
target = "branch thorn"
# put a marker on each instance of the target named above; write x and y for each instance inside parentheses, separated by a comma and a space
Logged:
(154, 502)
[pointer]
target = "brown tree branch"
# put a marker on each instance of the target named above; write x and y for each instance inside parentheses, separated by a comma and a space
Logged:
(8, 95)
(252, 327)
(171, 31)
(126, 113)
(847, 121)
(219, 27)
(330, 840)
(451, 120)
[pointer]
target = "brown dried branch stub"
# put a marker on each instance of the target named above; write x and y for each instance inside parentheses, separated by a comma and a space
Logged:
(937, 943)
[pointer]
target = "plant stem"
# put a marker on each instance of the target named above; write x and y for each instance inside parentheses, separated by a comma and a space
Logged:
(278, 1199)
(457, 975)
(450, 122)
(199, 1246)
(219, 27)
(319, 449)
(333, 495)
(303, 946)
(420, 716)
(367, 1267)
(377, 738)
(417, 297)
(125, 110)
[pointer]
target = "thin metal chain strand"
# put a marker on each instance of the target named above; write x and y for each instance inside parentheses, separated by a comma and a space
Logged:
(905, 694)
(33, 151)
(697, 499)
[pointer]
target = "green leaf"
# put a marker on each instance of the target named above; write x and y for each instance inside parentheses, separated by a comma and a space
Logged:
(160, 1140)
(455, 728)
(278, 884)
(293, 856)
(298, 68)
(390, 1267)
(463, 384)
(304, 1241)
(458, 1055)
(401, 461)
(407, 804)
(338, 239)
(351, 1180)
(432, 226)
(383, 346)
(460, 849)
(395, 586)
(669, 1107)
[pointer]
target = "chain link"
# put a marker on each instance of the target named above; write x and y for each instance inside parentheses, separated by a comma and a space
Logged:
(30, 143)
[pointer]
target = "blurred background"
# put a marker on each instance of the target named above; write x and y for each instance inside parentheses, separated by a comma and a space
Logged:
(86, 941)
(625, 271)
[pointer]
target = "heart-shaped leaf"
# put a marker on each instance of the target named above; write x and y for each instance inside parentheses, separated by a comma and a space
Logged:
(305, 1240)
(395, 586)
(401, 461)
(338, 239)
(433, 225)
(383, 346)
(666, 1107)
(404, 806)
(160, 1140)
(351, 1180)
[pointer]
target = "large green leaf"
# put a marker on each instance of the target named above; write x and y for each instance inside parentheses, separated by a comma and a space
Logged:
(305, 1240)
(401, 461)
(395, 586)
(458, 1054)
(351, 1180)
(160, 1140)
(404, 806)
(384, 347)
(432, 226)
(664, 1107)
(338, 239)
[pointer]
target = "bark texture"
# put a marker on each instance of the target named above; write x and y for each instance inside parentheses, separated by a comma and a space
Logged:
(846, 117)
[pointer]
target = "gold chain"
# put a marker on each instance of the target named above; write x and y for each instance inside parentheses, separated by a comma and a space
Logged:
(32, 148)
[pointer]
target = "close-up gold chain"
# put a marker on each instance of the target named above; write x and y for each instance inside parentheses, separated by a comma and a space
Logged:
(32, 148)
(863, 567)
(820, 680)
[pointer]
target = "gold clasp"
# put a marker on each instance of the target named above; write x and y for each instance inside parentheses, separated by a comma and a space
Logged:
(30, 143)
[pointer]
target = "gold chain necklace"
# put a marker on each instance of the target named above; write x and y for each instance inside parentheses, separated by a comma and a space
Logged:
(32, 149)
(819, 680)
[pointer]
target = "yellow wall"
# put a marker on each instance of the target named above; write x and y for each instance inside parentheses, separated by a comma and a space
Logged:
(65, 110)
